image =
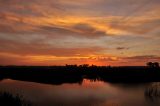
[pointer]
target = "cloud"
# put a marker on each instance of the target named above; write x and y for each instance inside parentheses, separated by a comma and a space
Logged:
(152, 57)
(78, 30)
(67, 28)
(122, 48)
(40, 47)
(26, 17)
(139, 60)
(140, 27)
(12, 24)
(31, 8)
(88, 30)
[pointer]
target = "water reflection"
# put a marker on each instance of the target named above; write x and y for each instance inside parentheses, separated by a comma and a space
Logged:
(89, 93)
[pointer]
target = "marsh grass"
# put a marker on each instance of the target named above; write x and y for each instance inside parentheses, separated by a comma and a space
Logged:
(7, 99)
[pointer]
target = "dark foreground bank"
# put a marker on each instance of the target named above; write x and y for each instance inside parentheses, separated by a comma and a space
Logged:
(75, 74)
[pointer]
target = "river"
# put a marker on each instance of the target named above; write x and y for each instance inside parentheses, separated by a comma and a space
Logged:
(88, 93)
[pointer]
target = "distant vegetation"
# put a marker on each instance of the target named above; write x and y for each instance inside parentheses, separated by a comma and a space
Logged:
(75, 73)
(7, 99)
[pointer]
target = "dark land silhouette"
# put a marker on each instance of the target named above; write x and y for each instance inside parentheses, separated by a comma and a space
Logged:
(75, 74)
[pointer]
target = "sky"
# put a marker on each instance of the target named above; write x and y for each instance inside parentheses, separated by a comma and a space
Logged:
(99, 32)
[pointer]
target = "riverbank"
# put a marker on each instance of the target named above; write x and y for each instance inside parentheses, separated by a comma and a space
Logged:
(74, 74)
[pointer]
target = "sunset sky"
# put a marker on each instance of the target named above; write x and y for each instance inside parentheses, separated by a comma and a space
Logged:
(59, 32)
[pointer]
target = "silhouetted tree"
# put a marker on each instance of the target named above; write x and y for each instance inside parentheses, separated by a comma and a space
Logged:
(156, 64)
(149, 64)
(153, 64)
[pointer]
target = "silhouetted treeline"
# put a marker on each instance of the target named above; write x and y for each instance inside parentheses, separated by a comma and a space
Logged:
(75, 74)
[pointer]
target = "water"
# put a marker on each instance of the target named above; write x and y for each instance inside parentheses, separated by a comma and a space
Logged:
(89, 93)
